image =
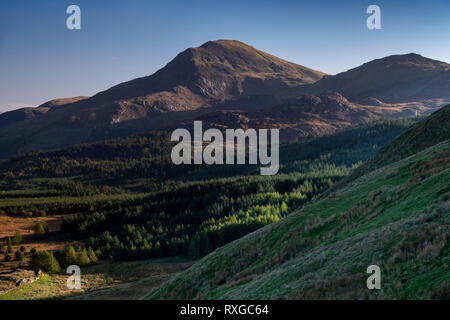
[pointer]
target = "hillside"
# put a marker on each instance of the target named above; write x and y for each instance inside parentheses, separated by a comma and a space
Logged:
(396, 216)
(298, 117)
(62, 101)
(11, 117)
(393, 79)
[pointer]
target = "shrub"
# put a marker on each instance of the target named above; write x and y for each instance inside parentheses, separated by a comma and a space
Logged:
(7, 257)
(41, 213)
(19, 255)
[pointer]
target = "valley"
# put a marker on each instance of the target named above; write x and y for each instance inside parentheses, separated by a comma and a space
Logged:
(392, 212)
(99, 196)
(362, 179)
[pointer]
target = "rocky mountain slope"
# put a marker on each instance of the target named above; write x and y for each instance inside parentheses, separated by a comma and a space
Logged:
(296, 117)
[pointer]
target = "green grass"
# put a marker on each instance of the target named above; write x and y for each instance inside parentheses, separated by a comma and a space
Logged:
(38, 289)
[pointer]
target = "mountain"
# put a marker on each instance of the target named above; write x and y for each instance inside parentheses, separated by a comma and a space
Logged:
(230, 84)
(393, 79)
(214, 73)
(62, 101)
(217, 73)
(13, 116)
(394, 214)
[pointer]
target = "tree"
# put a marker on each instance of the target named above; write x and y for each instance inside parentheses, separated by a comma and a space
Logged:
(69, 257)
(9, 245)
(46, 261)
(40, 230)
(83, 258)
(17, 238)
(92, 256)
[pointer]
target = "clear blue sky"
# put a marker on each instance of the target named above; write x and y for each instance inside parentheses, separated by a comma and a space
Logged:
(120, 40)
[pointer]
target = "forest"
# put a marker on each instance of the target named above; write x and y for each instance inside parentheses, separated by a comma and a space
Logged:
(126, 200)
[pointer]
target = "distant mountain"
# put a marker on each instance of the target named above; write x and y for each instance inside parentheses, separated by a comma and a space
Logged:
(62, 101)
(393, 79)
(11, 117)
(394, 215)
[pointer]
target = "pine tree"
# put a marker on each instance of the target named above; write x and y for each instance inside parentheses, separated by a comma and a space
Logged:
(40, 230)
(9, 245)
(46, 261)
(92, 256)
(69, 257)
(17, 238)
(83, 258)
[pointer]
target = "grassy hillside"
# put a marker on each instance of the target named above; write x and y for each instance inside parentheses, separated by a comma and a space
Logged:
(395, 213)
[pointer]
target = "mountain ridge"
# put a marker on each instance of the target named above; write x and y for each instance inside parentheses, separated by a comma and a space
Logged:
(216, 76)
(392, 79)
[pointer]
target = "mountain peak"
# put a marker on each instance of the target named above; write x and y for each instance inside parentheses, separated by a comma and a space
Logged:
(412, 59)
(213, 73)
(225, 43)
